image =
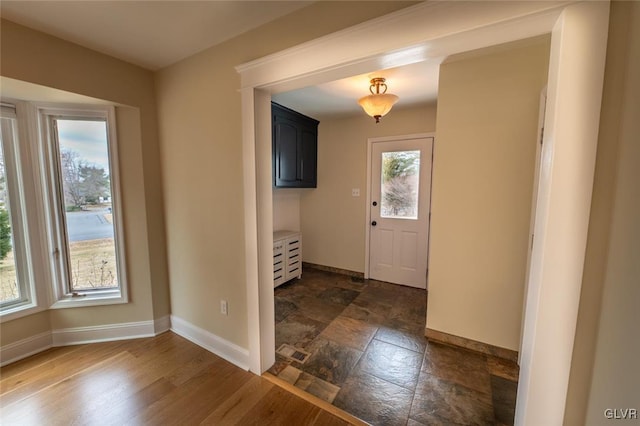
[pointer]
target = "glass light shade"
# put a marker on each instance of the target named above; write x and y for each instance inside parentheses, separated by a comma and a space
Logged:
(378, 105)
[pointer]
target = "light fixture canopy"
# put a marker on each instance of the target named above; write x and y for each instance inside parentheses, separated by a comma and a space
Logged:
(378, 103)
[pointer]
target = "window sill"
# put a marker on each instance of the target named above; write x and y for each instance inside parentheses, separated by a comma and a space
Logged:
(19, 311)
(90, 299)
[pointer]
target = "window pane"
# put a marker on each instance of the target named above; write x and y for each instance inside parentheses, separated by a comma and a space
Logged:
(9, 288)
(86, 187)
(400, 179)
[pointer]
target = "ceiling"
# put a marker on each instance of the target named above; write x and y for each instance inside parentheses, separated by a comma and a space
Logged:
(414, 84)
(156, 34)
(151, 34)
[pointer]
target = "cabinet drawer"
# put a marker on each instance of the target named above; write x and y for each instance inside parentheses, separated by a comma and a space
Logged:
(293, 269)
(293, 243)
(279, 263)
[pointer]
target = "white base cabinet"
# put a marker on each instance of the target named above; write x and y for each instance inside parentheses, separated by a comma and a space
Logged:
(287, 256)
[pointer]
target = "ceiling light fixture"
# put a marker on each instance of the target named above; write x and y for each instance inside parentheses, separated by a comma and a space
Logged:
(378, 103)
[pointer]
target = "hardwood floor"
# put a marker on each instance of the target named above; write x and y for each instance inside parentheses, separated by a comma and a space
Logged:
(164, 380)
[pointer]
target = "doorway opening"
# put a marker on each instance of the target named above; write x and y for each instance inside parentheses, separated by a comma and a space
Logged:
(575, 83)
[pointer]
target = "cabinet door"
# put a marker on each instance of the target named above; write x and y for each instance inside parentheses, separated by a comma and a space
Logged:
(285, 153)
(308, 153)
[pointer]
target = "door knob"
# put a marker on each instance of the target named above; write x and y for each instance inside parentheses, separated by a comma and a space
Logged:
(375, 203)
(374, 223)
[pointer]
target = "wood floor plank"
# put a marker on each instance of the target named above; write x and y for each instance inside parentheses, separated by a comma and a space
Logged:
(25, 383)
(280, 407)
(237, 405)
(201, 394)
(20, 367)
(66, 401)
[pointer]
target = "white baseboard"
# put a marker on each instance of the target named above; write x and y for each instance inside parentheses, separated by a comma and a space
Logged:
(81, 335)
(162, 324)
(26, 347)
(102, 333)
(223, 348)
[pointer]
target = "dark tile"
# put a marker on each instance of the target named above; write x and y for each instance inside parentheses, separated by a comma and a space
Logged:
(379, 292)
(438, 401)
(295, 290)
(350, 284)
(503, 367)
(297, 330)
(374, 400)
(283, 308)
(407, 327)
(330, 361)
(332, 317)
(458, 365)
(319, 310)
(410, 306)
(341, 296)
(504, 392)
(350, 332)
(391, 363)
(368, 311)
(405, 339)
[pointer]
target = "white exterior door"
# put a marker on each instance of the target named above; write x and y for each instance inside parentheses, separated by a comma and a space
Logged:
(399, 202)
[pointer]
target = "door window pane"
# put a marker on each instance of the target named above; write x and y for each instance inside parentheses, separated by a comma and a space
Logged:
(86, 191)
(400, 179)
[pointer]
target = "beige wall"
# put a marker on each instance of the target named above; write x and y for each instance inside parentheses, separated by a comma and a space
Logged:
(286, 209)
(34, 57)
(201, 146)
(483, 173)
(604, 371)
(333, 222)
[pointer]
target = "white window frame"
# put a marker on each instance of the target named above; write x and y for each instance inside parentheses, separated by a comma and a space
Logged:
(29, 218)
(61, 294)
(17, 172)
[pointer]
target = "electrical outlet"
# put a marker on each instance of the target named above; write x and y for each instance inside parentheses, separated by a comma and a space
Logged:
(224, 307)
(355, 192)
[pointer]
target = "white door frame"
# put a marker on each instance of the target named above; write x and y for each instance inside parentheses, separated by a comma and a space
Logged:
(579, 33)
(534, 202)
(370, 142)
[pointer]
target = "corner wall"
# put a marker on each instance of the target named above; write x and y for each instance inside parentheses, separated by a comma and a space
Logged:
(333, 221)
(604, 371)
(483, 174)
(200, 125)
(34, 57)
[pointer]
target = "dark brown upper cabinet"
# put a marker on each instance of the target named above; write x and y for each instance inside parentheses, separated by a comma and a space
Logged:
(294, 148)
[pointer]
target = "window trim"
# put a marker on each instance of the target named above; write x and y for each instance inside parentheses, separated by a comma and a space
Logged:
(60, 297)
(14, 172)
(31, 214)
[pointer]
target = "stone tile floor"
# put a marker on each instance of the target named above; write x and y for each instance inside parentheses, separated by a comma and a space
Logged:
(368, 355)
